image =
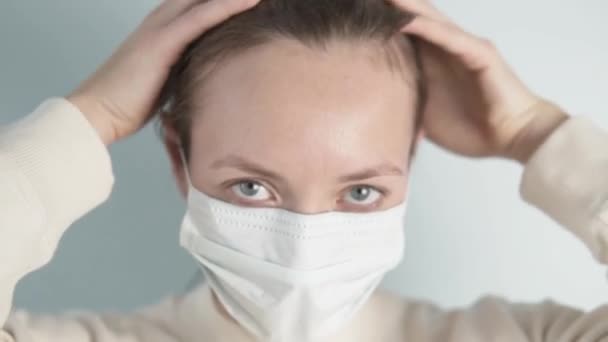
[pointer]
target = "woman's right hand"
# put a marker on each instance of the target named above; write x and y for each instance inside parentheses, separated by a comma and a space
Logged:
(120, 96)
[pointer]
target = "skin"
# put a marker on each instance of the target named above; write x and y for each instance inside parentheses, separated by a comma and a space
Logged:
(477, 107)
(344, 127)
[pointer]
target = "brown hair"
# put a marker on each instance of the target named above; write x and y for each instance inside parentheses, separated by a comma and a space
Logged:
(312, 22)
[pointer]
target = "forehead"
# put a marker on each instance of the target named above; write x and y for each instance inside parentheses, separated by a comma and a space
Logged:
(284, 99)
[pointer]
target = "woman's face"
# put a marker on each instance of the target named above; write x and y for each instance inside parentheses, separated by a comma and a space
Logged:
(304, 129)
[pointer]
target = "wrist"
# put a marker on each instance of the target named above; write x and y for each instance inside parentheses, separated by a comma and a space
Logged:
(97, 121)
(547, 117)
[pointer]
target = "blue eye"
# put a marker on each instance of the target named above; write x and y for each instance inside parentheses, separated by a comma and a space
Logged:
(251, 190)
(363, 195)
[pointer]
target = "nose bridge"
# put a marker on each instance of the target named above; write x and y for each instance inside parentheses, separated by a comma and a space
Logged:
(310, 209)
(313, 198)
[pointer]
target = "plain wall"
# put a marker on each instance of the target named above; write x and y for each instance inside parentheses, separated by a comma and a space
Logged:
(469, 233)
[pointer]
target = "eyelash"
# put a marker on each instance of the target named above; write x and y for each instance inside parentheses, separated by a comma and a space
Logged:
(381, 193)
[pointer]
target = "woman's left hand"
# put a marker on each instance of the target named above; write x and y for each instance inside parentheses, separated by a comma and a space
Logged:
(477, 106)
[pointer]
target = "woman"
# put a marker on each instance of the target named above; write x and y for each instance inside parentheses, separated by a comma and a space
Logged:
(296, 177)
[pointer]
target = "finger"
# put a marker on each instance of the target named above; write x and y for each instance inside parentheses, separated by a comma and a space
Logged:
(169, 10)
(420, 7)
(476, 53)
(174, 8)
(202, 17)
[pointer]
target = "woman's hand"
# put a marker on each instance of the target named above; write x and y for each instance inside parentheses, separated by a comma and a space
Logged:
(120, 96)
(477, 106)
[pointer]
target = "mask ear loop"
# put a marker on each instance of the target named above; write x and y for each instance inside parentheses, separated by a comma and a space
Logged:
(185, 166)
(197, 278)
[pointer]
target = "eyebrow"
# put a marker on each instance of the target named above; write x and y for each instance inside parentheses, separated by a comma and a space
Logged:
(238, 162)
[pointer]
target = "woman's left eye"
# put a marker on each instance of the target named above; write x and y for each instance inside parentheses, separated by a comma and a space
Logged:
(251, 190)
(363, 195)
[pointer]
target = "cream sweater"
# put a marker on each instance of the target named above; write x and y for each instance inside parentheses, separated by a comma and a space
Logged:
(54, 169)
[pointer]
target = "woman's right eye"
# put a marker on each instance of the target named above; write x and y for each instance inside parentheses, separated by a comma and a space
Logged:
(251, 190)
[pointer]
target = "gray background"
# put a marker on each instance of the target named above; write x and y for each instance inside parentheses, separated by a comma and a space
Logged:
(468, 231)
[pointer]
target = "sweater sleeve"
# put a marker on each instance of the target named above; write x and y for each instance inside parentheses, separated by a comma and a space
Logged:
(54, 169)
(567, 178)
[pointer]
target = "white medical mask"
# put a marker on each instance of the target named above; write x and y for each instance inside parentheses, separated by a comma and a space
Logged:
(286, 276)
